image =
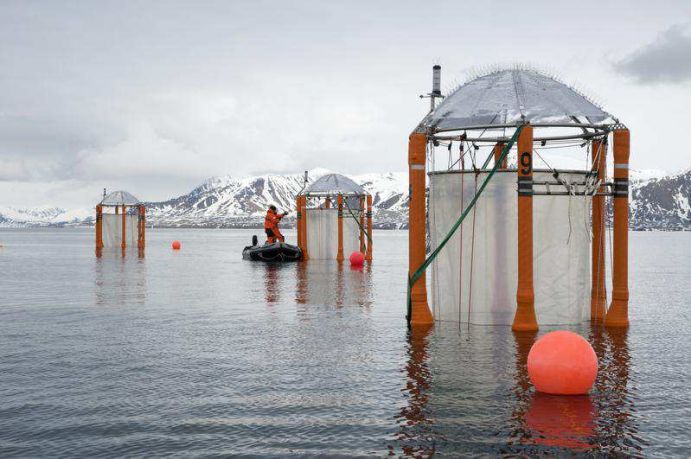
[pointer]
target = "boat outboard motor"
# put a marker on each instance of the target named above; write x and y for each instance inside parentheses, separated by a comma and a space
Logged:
(255, 241)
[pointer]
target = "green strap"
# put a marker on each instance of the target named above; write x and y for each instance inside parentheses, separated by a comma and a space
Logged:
(421, 270)
(357, 220)
(486, 163)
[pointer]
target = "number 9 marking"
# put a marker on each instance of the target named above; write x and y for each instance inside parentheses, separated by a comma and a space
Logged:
(526, 163)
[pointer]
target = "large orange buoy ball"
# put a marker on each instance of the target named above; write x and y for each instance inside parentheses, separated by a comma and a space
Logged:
(357, 259)
(562, 363)
(177, 245)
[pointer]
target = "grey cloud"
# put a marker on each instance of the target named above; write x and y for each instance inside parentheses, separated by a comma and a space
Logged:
(157, 96)
(665, 60)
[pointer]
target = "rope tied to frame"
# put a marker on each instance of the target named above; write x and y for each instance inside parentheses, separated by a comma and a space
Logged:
(362, 229)
(414, 277)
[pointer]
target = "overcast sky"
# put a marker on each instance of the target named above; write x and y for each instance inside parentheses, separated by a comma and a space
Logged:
(155, 97)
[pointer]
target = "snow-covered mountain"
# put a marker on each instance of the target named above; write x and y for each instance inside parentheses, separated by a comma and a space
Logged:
(231, 202)
(658, 201)
(662, 203)
(44, 216)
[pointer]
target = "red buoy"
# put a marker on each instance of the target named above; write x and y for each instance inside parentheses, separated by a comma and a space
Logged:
(562, 363)
(177, 245)
(357, 259)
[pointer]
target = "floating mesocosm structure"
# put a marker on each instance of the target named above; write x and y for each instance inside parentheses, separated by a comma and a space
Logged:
(521, 243)
(332, 220)
(120, 223)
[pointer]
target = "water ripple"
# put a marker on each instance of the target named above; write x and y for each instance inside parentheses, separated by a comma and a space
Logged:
(197, 353)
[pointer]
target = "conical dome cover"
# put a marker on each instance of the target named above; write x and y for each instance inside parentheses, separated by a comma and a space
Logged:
(510, 96)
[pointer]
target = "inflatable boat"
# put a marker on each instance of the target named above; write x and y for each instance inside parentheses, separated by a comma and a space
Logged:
(278, 251)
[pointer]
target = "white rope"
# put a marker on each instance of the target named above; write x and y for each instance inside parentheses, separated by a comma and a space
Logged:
(472, 257)
(462, 153)
(460, 271)
(448, 165)
(572, 194)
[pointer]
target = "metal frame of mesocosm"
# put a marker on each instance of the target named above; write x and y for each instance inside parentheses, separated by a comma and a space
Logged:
(124, 204)
(535, 112)
(349, 198)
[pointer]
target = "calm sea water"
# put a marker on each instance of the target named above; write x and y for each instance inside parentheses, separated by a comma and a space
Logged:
(198, 353)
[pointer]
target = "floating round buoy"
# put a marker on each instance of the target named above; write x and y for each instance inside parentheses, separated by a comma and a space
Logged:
(357, 259)
(562, 363)
(177, 245)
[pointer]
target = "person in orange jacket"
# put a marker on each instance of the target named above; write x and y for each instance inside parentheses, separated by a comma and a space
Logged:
(271, 220)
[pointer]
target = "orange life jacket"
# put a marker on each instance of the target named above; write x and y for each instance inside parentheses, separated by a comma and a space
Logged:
(271, 220)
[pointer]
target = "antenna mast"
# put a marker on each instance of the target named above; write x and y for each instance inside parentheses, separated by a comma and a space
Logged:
(436, 87)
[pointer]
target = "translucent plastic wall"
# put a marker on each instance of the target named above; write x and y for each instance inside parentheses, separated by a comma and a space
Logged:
(112, 230)
(474, 278)
(322, 233)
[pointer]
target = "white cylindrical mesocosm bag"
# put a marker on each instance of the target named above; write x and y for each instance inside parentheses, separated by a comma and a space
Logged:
(474, 278)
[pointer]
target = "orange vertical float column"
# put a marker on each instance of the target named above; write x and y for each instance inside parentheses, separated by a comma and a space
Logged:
(298, 220)
(303, 207)
(598, 293)
(123, 243)
(141, 228)
(417, 144)
(362, 224)
(99, 229)
(370, 248)
(525, 320)
(498, 147)
(339, 256)
(618, 313)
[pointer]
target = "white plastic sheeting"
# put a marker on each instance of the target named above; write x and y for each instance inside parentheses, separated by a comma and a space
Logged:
(561, 251)
(334, 184)
(508, 96)
(120, 198)
(322, 233)
(112, 230)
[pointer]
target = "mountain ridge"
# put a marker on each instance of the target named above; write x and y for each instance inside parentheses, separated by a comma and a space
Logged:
(658, 202)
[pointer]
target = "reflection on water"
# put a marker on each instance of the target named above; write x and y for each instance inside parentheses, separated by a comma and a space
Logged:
(458, 389)
(520, 433)
(272, 286)
(119, 280)
(199, 353)
(326, 282)
(301, 293)
(598, 422)
(323, 282)
(561, 421)
(617, 429)
(415, 436)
